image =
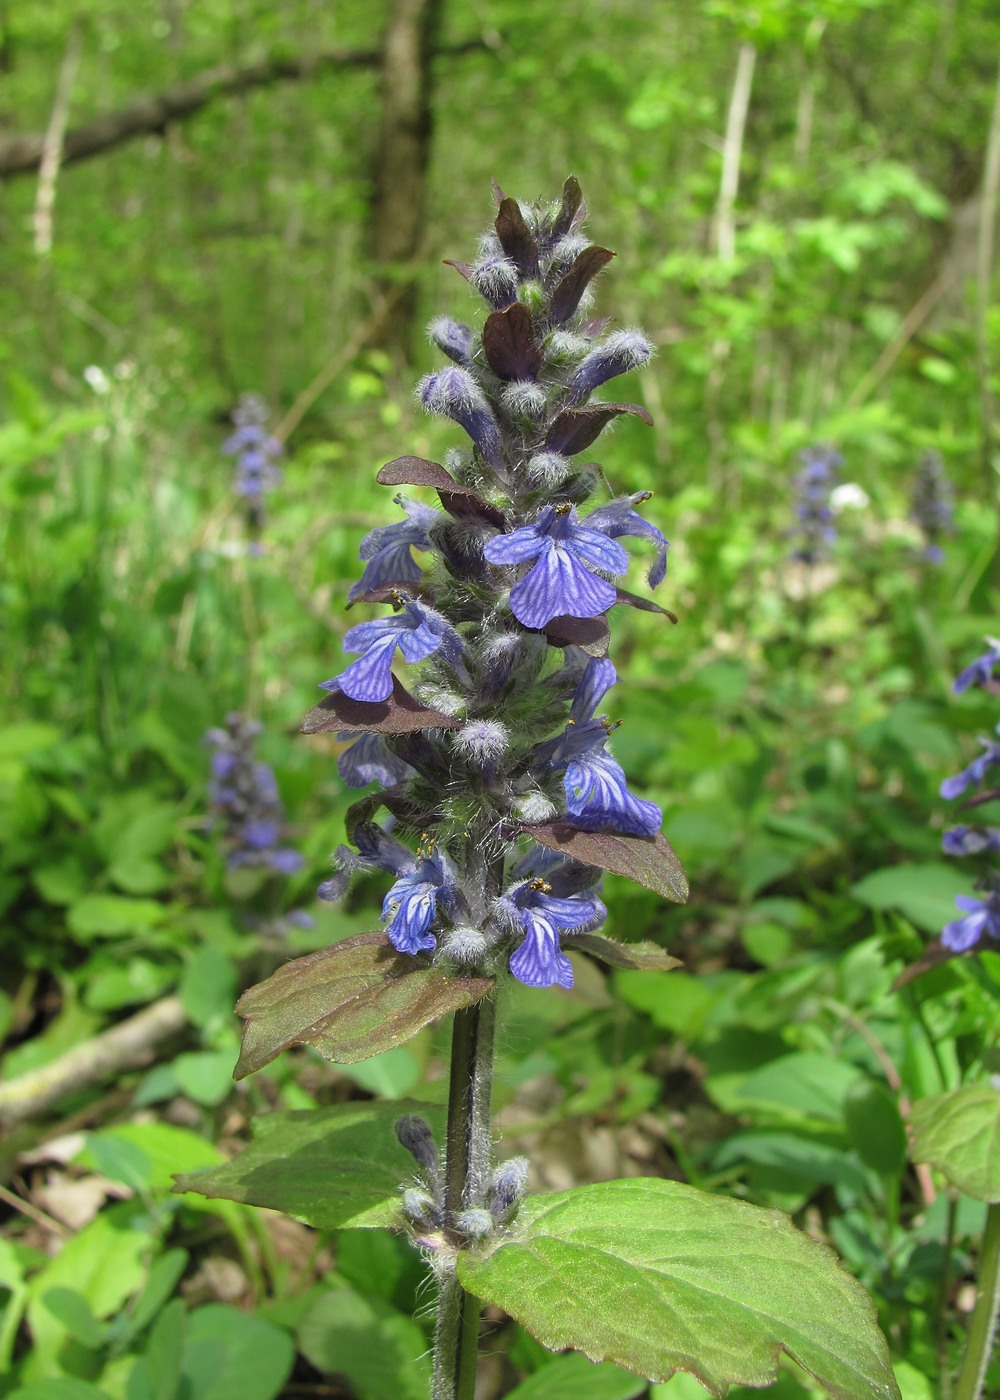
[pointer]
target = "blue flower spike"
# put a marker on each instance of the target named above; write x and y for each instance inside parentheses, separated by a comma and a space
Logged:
(491, 742)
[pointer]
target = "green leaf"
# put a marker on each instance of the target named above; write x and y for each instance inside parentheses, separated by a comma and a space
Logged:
(714, 1286)
(74, 1312)
(208, 988)
(390, 1075)
(874, 1127)
(798, 1157)
(231, 1355)
(924, 893)
(61, 1388)
(648, 860)
(573, 1377)
(351, 1001)
(110, 915)
(380, 1352)
(165, 1350)
(959, 1133)
(205, 1075)
(644, 956)
(806, 1082)
(166, 1149)
(330, 1167)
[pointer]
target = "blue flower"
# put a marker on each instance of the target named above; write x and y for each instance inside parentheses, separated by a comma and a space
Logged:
(539, 961)
(254, 449)
(619, 519)
(560, 583)
(418, 632)
(370, 760)
(814, 483)
(377, 850)
(387, 549)
(970, 840)
(980, 671)
(597, 797)
(244, 796)
(932, 505)
(981, 916)
(410, 906)
(976, 771)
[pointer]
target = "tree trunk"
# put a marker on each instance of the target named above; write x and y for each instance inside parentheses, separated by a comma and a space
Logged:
(401, 160)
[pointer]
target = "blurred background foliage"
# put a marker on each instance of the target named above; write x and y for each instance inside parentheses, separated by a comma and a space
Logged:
(801, 200)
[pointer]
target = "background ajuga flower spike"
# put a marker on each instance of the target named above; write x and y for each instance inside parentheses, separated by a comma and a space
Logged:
(979, 916)
(257, 454)
(484, 620)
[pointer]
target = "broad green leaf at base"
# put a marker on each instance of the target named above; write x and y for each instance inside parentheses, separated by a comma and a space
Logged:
(660, 1277)
(335, 1168)
(959, 1133)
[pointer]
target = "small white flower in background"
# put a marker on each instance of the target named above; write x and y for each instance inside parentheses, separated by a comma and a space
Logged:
(849, 496)
(97, 379)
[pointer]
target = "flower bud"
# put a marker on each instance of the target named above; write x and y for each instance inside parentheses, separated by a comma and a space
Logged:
(496, 279)
(466, 945)
(475, 1223)
(507, 1187)
(415, 1135)
(548, 469)
(454, 393)
(621, 352)
(483, 742)
(452, 338)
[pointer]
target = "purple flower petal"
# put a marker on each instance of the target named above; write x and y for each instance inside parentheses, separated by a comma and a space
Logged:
(370, 677)
(539, 961)
(559, 585)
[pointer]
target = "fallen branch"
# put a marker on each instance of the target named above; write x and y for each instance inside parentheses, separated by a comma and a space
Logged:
(151, 115)
(126, 1046)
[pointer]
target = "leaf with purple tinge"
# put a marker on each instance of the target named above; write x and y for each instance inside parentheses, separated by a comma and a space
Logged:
(400, 714)
(648, 860)
(510, 345)
(570, 289)
(458, 500)
(572, 211)
(516, 238)
(350, 1002)
(463, 269)
(590, 634)
(644, 956)
(577, 428)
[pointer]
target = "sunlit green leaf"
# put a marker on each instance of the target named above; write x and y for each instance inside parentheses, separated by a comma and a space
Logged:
(713, 1286)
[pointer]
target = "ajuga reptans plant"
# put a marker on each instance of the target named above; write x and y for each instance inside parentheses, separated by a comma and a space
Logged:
(476, 706)
(980, 917)
(491, 748)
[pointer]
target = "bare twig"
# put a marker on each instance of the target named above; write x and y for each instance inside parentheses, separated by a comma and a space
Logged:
(154, 113)
(732, 152)
(52, 145)
(908, 327)
(322, 381)
(985, 245)
(124, 1047)
(47, 1222)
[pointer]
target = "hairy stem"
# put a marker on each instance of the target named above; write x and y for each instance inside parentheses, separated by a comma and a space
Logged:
(980, 1340)
(467, 1166)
